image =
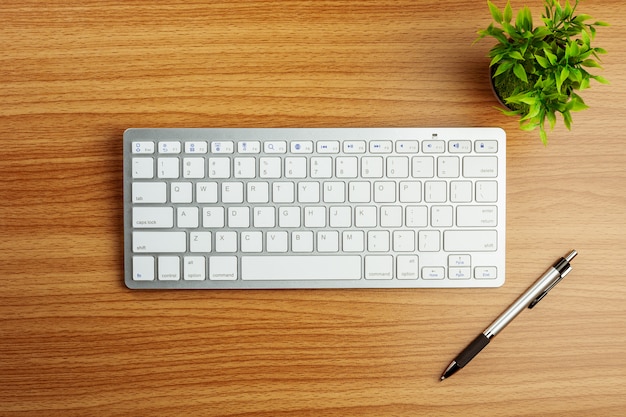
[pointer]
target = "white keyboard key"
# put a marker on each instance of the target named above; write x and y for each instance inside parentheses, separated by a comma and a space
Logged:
(244, 168)
(264, 217)
(328, 241)
(232, 192)
(226, 147)
(416, 216)
(289, 216)
(365, 216)
(295, 167)
(470, 240)
(404, 241)
(321, 167)
(258, 192)
(206, 192)
(435, 192)
(407, 267)
(485, 272)
(441, 216)
(480, 166)
(314, 217)
(143, 268)
(153, 217)
(486, 146)
(193, 167)
(213, 217)
(378, 267)
(308, 192)
(196, 147)
(168, 168)
(461, 191)
(433, 146)
(448, 167)
(302, 241)
(407, 146)
(225, 242)
(276, 242)
(143, 147)
(460, 146)
(239, 217)
(410, 192)
(486, 191)
(459, 273)
(477, 216)
(372, 167)
(168, 268)
(169, 147)
(200, 242)
(143, 168)
(430, 272)
(249, 146)
(354, 146)
(347, 167)
(303, 146)
(223, 268)
(378, 241)
(340, 216)
(429, 240)
(459, 260)
(270, 167)
(384, 192)
(353, 241)
(187, 217)
(423, 167)
(381, 146)
(149, 192)
(180, 192)
(275, 146)
(327, 146)
(219, 167)
(252, 242)
(298, 267)
(359, 192)
(397, 167)
(194, 268)
(334, 192)
(391, 216)
(159, 242)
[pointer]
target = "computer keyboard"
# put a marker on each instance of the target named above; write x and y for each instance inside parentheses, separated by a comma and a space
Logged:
(245, 208)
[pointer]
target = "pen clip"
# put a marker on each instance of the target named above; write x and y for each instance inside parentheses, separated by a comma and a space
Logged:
(564, 268)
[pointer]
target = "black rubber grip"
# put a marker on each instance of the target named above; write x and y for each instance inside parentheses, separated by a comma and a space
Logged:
(472, 350)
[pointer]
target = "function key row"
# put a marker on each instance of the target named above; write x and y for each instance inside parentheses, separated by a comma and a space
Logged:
(309, 147)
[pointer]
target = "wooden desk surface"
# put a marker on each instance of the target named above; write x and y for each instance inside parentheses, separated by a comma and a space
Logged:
(75, 342)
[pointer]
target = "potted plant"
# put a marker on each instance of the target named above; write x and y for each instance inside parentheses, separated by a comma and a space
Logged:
(537, 72)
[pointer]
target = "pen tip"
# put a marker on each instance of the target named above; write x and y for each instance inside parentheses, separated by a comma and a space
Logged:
(442, 378)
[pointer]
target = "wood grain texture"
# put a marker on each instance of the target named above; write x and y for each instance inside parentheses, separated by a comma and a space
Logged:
(74, 341)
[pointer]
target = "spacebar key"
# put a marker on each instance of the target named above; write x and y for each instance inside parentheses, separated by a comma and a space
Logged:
(300, 267)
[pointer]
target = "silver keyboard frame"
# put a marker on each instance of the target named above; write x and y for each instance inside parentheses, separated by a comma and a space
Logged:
(311, 134)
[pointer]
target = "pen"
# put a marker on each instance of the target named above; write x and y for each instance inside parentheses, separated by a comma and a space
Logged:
(529, 299)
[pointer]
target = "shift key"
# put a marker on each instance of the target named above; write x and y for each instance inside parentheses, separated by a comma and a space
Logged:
(470, 240)
(159, 242)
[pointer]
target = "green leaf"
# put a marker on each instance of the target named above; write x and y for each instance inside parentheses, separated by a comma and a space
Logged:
(516, 55)
(503, 67)
(600, 79)
(600, 23)
(563, 75)
(508, 12)
(496, 59)
(567, 119)
(520, 72)
(544, 136)
(542, 61)
(551, 118)
(551, 57)
(581, 18)
(591, 63)
(495, 12)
